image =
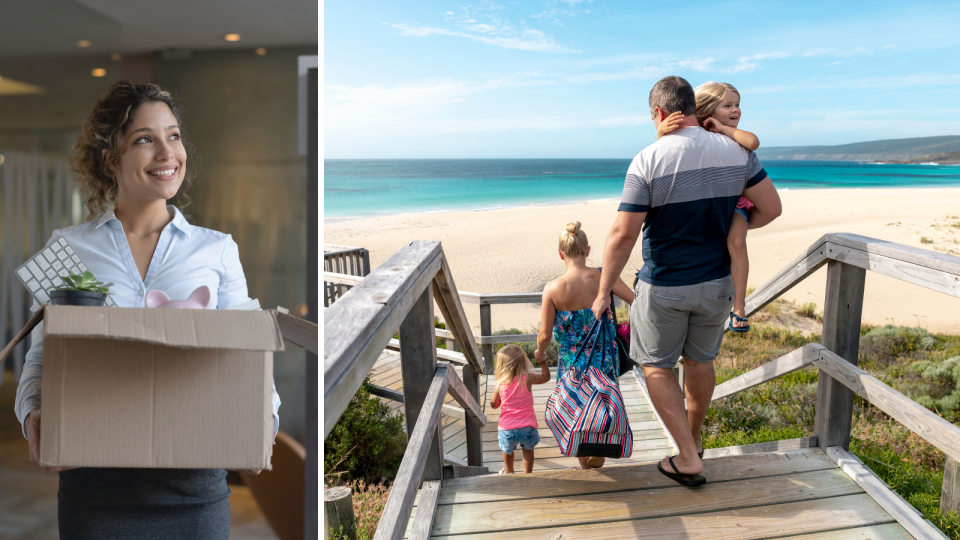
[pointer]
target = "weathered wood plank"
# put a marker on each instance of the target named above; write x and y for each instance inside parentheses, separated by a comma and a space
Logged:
(633, 477)
(922, 257)
(443, 354)
(805, 264)
(426, 508)
(464, 397)
(446, 295)
(358, 326)
(511, 338)
(343, 279)
(911, 414)
(771, 370)
(768, 521)
(418, 353)
(557, 511)
(548, 447)
(905, 514)
(889, 531)
(486, 328)
(396, 512)
(842, 311)
(917, 274)
(758, 448)
(511, 298)
(950, 492)
(473, 427)
(565, 463)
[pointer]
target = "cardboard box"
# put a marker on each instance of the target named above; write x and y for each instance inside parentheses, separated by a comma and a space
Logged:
(156, 388)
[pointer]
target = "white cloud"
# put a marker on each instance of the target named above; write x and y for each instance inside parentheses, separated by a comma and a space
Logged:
(837, 52)
(864, 83)
(890, 46)
(524, 40)
(747, 64)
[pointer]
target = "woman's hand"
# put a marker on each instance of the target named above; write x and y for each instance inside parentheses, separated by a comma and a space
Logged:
(32, 427)
(538, 355)
(669, 124)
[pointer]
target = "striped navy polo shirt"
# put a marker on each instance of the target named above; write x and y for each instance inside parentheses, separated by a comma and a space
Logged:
(689, 183)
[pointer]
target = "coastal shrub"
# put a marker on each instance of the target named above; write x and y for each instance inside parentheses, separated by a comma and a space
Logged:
(883, 345)
(943, 394)
(528, 347)
(367, 443)
(809, 310)
(925, 240)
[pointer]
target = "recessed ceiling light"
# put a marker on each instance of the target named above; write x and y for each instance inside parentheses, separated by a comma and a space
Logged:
(115, 56)
(232, 37)
(261, 51)
(83, 43)
(99, 72)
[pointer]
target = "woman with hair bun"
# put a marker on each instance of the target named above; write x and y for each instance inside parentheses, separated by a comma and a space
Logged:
(130, 159)
(566, 314)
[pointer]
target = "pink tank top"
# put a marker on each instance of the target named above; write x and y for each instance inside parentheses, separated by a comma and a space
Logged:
(516, 405)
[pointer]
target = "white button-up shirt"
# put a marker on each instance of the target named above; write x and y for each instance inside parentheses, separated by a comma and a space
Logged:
(186, 258)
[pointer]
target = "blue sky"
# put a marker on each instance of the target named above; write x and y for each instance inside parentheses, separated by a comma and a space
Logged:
(446, 79)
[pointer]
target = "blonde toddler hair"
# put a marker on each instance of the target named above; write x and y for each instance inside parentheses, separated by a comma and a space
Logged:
(709, 95)
(511, 363)
(573, 241)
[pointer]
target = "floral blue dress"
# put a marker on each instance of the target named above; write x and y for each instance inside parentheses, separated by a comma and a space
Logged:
(569, 329)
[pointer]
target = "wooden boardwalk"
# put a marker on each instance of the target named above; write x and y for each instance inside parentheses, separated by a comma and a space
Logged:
(650, 441)
(798, 494)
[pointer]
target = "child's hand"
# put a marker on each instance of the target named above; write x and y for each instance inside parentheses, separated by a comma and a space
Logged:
(711, 124)
(669, 124)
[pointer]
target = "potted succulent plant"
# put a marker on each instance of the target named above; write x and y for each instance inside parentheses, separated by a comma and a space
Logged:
(80, 290)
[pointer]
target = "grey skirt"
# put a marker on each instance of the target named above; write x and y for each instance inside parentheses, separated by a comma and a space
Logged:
(144, 504)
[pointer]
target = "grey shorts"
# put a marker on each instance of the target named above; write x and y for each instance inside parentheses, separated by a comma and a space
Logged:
(667, 322)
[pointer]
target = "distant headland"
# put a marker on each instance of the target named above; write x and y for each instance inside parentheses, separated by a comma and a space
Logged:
(943, 150)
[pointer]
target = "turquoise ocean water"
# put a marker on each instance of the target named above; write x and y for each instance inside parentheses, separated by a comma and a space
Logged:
(365, 188)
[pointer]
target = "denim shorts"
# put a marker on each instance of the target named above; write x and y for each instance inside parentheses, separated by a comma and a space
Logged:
(525, 437)
(743, 212)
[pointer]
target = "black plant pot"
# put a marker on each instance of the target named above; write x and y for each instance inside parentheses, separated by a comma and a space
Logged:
(66, 297)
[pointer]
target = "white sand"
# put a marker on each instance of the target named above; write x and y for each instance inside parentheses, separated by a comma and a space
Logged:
(514, 250)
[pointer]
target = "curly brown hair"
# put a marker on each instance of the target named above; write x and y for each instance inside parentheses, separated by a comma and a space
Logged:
(103, 129)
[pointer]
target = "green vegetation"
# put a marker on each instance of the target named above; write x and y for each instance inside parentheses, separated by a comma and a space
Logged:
(366, 444)
(368, 503)
(809, 310)
(921, 365)
(84, 282)
(925, 240)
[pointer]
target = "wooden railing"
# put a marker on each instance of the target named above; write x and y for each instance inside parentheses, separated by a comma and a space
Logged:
(848, 257)
(342, 260)
(360, 325)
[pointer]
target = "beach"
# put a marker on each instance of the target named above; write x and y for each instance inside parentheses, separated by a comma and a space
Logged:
(515, 249)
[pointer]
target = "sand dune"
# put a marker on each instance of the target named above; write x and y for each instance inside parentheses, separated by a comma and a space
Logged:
(515, 249)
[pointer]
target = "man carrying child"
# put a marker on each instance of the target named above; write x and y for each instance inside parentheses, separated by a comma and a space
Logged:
(681, 193)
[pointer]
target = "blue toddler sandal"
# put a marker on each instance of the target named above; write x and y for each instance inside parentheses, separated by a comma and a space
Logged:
(741, 329)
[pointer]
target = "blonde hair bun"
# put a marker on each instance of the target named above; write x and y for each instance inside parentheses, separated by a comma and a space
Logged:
(573, 241)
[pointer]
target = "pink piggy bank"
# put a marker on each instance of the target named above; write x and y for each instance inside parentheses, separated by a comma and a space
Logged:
(199, 299)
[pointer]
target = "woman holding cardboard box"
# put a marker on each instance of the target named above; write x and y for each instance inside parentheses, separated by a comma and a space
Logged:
(129, 160)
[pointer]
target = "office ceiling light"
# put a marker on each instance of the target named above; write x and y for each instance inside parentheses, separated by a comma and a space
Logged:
(261, 51)
(232, 37)
(10, 87)
(84, 43)
(99, 72)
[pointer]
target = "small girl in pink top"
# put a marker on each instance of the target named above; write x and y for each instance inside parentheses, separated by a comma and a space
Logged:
(513, 391)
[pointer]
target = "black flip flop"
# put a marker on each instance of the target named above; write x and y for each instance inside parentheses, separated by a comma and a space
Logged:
(691, 480)
(738, 329)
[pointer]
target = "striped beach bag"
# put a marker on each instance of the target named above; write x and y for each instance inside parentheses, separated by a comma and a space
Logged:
(585, 412)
